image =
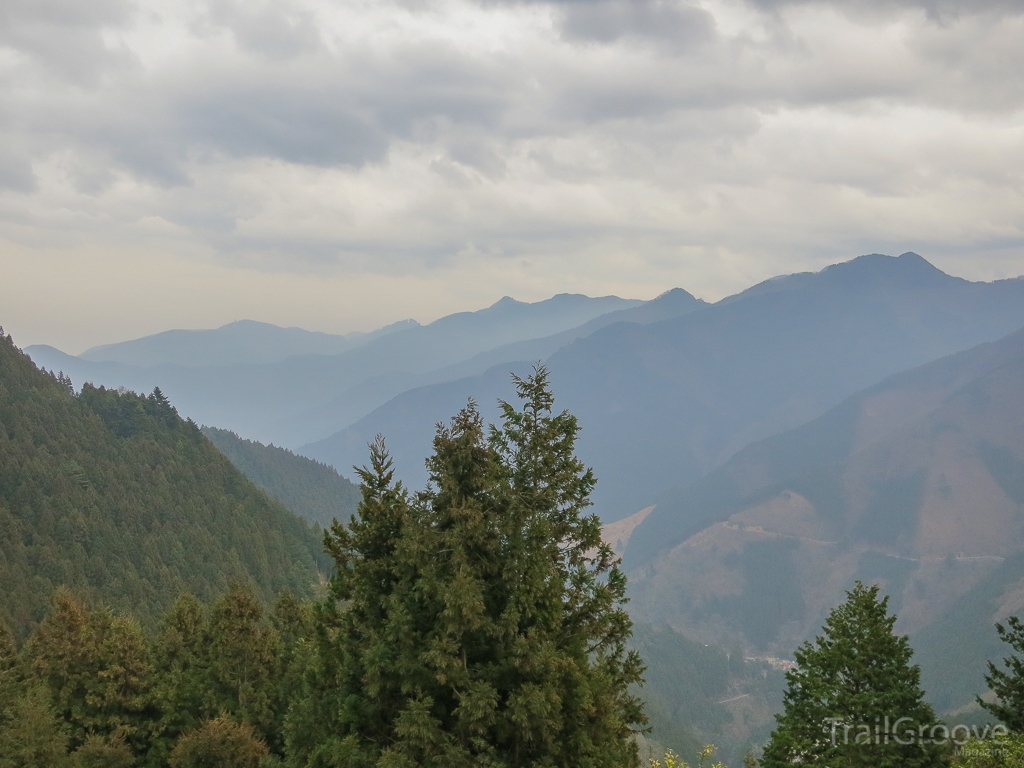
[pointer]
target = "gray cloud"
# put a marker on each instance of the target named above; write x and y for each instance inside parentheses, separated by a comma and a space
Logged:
(65, 36)
(645, 141)
(605, 21)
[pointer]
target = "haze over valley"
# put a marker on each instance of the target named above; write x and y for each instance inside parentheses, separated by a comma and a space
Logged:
(755, 455)
(511, 384)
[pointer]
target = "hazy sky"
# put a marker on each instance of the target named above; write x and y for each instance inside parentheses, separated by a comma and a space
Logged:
(339, 165)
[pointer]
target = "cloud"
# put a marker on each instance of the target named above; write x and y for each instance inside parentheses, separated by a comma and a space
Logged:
(607, 145)
(605, 21)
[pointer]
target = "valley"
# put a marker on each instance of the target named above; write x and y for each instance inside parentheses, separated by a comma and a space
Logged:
(756, 457)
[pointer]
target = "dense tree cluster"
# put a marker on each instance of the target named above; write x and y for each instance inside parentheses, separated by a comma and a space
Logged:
(115, 496)
(90, 688)
(477, 623)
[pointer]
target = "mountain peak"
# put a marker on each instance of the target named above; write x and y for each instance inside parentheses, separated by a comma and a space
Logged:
(675, 294)
(505, 301)
(908, 269)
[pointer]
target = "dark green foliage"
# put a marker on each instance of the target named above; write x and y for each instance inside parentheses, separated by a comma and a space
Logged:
(219, 743)
(34, 736)
(227, 659)
(244, 661)
(312, 490)
(103, 752)
(347, 694)
(115, 496)
(481, 621)
(850, 679)
(181, 658)
(1008, 684)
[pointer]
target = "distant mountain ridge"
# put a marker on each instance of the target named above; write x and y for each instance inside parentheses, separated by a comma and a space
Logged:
(408, 420)
(665, 402)
(266, 401)
(243, 341)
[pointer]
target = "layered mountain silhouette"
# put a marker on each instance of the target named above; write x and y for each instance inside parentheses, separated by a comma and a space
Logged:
(244, 341)
(306, 396)
(916, 483)
(662, 403)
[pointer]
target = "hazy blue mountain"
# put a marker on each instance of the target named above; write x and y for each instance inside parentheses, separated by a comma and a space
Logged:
(251, 399)
(916, 483)
(313, 491)
(244, 341)
(864, 419)
(408, 420)
(663, 403)
(360, 400)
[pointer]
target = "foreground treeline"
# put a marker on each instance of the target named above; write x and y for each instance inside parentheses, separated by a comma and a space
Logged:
(91, 689)
(476, 623)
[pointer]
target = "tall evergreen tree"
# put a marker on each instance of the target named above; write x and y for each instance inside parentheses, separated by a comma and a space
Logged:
(97, 669)
(35, 736)
(854, 691)
(1008, 685)
(181, 654)
(479, 623)
(244, 660)
(11, 675)
(352, 696)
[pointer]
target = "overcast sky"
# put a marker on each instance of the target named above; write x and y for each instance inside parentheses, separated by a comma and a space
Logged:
(340, 165)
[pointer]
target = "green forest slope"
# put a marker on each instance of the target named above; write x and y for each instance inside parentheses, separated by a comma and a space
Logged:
(308, 488)
(115, 496)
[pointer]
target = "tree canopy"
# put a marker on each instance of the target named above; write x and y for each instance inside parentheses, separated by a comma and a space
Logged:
(479, 622)
(854, 698)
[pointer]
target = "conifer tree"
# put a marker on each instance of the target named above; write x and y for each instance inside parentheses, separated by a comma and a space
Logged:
(11, 675)
(181, 654)
(220, 743)
(35, 735)
(97, 669)
(244, 661)
(103, 752)
(1008, 685)
(564, 617)
(854, 696)
(479, 623)
(352, 697)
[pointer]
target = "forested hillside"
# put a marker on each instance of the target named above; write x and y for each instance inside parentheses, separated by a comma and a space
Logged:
(478, 622)
(916, 484)
(308, 488)
(697, 694)
(115, 496)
